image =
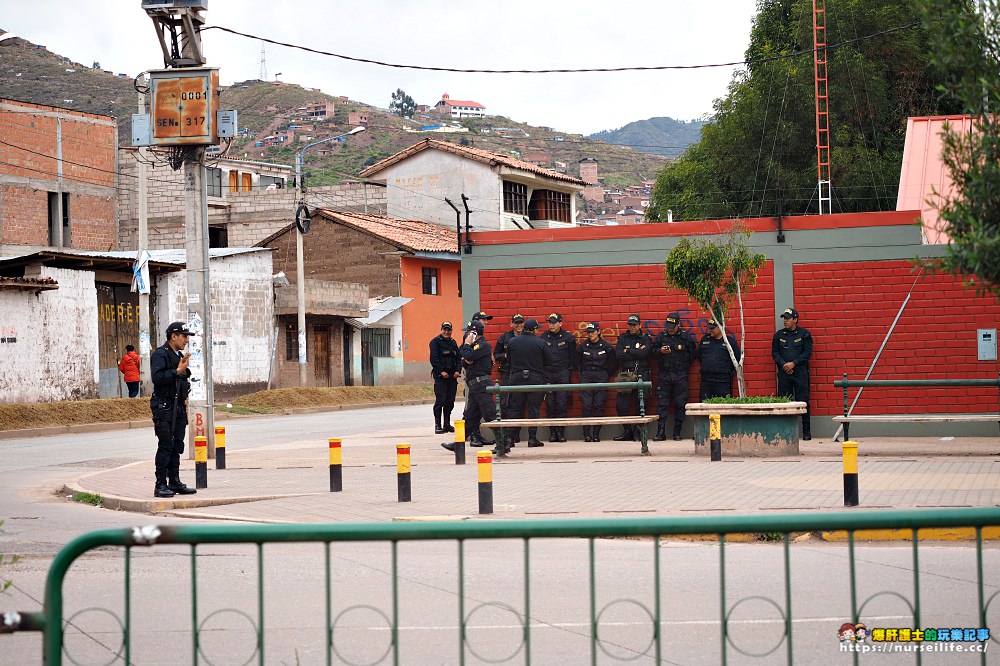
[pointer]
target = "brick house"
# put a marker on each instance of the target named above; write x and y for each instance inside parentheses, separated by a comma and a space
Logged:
(37, 188)
(357, 118)
(410, 275)
(503, 192)
(457, 108)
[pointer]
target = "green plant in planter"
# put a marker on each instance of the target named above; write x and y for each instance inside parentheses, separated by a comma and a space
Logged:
(713, 273)
(748, 400)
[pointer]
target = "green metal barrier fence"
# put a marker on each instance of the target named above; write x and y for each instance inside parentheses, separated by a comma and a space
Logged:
(52, 623)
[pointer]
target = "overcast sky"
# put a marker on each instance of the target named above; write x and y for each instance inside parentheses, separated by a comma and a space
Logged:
(516, 34)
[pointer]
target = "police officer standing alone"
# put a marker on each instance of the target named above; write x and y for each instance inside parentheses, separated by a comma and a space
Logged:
(596, 359)
(791, 348)
(676, 350)
(716, 366)
(477, 360)
(529, 356)
(562, 344)
(168, 366)
(445, 368)
(632, 351)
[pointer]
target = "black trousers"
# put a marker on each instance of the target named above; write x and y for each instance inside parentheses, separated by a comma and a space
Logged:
(444, 394)
(713, 387)
(169, 441)
(627, 402)
(557, 402)
(593, 401)
(672, 392)
(796, 386)
(530, 402)
(478, 406)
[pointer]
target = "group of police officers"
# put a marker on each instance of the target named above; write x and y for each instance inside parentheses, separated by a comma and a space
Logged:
(525, 358)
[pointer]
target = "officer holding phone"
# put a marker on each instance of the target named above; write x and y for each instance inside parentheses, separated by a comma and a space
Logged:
(168, 366)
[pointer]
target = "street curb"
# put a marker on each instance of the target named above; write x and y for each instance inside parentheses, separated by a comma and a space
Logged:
(990, 533)
(48, 431)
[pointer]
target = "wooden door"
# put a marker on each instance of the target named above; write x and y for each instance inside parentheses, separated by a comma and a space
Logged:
(321, 355)
(234, 181)
(246, 182)
(348, 357)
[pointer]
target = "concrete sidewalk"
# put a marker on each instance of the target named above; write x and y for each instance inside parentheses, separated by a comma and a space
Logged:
(289, 482)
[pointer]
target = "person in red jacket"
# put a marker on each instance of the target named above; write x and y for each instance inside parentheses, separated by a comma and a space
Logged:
(129, 367)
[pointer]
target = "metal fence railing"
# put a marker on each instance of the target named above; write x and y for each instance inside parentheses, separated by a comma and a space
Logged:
(560, 584)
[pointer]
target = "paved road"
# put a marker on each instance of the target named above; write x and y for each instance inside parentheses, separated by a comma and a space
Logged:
(566, 477)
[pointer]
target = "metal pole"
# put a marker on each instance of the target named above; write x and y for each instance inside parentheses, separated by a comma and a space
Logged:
(300, 283)
(145, 339)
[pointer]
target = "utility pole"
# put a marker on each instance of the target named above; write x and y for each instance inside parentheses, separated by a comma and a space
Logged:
(145, 340)
(186, 116)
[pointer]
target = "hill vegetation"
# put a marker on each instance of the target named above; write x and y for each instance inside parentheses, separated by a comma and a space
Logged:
(658, 136)
(32, 73)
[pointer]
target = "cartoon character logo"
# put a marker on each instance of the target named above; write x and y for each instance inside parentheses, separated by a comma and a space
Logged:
(846, 633)
(861, 632)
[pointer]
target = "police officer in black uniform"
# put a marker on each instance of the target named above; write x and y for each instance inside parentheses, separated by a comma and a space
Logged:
(503, 362)
(168, 366)
(676, 350)
(596, 359)
(445, 368)
(477, 361)
(791, 348)
(632, 350)
(716, 366)
(529, 356)
(562, 344)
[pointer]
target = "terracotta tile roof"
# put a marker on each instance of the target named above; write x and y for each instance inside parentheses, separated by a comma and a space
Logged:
(459, 102)
(408, 235)
(486, 157)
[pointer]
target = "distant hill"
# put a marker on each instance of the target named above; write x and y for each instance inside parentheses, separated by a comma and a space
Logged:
(658, 136)
(32, 73)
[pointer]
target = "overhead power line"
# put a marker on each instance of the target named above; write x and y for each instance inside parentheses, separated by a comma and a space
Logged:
(647, 68)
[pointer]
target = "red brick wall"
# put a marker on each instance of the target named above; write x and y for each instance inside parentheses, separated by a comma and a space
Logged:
(581, 294)
(849, 308)
(88, 151)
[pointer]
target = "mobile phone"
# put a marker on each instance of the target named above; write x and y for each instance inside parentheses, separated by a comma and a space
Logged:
(473, 335)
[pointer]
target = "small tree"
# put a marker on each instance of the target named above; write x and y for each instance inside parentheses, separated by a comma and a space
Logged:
(402, 105)
(712, 273)
(969, 46)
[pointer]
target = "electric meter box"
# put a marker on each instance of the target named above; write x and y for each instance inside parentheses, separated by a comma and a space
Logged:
(987, 343)
(226, 124)
(185, 106)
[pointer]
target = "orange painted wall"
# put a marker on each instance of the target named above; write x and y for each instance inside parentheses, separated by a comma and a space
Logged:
(423, 315)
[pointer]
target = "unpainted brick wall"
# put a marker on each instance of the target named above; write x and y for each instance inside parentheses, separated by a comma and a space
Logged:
(849, 308)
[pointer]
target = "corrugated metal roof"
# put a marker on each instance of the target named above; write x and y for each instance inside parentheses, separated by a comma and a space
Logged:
(379, 309)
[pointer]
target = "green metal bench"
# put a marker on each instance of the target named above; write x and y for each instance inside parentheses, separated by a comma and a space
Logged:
(848, 418)
(641, 420)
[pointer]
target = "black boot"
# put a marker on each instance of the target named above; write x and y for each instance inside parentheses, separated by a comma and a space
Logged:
(446, 422)
(533, 440)
(476, 439)
(626, 435)
(595, 434)
(677, 430)
(438, 430)
(562, 434)
(587, 437)
(449, 446)
(174, 484)
(661, 431)
(161, 490)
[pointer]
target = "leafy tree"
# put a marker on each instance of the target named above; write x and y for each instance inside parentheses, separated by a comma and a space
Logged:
(402, 105)
(764, 130)
(714, 272)
(969, 46)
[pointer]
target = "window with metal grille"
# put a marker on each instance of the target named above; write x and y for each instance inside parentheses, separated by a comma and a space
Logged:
(515, 198)
(549, 205)
(214, 181)
(430, 278)
(379, 340)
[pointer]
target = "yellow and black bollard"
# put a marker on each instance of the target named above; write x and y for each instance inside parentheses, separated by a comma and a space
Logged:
(403, 472)
(484, 461)
(459, 442)
(850, 473)
(201, 462)
(336, 462)
(220, 447)
(715, 436)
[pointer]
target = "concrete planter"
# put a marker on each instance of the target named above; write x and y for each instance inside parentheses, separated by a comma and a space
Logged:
(758, 430)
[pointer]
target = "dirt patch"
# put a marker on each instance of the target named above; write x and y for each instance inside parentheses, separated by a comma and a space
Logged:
(75, 412)
(326, 397)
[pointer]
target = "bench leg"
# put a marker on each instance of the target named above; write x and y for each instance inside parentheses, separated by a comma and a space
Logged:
(642, 439)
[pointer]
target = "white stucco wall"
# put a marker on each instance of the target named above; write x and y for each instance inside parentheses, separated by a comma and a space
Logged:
(417, 186)
(242, 316)
(53, 355)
